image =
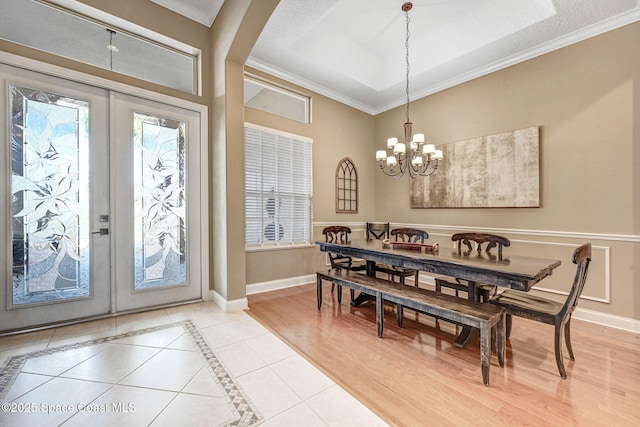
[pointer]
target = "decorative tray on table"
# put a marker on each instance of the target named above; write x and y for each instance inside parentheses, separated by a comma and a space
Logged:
(418, 247)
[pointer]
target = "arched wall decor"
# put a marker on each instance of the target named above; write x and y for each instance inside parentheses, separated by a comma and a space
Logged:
(346, 187)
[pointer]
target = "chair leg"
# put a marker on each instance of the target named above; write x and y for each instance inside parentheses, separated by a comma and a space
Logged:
(353, 294)
(400, 314)
(567, 337)
(333, 285)
(508, 321)
(339, 294)
(485, 352)
(319, 291)
(417, 279)
(557, 342)
(500, 341)
(379, 314)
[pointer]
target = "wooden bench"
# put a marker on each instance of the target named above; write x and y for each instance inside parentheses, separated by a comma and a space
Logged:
(461, 311)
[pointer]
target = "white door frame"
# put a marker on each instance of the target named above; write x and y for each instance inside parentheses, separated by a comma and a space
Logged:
(203, 110)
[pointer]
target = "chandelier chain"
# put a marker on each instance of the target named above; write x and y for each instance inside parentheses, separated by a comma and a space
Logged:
(406, 44)
(412, 155)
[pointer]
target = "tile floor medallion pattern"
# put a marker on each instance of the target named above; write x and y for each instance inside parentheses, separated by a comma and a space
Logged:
(240, 406)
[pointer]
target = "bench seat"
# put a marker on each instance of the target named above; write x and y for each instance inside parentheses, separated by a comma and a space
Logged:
(461, 311)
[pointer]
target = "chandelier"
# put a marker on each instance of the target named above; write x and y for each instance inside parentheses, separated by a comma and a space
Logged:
(412, 154)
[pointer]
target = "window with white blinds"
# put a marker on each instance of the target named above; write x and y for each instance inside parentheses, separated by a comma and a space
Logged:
(278, 188)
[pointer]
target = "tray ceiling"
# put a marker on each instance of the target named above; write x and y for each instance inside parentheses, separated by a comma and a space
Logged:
(353, 50)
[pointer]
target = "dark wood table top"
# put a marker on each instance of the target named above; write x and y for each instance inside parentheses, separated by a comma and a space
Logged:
(513, 271)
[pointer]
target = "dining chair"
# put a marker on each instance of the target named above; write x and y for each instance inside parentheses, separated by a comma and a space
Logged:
(380, 231)
(409, 235)
(340, 234)
(377, 230)
(468, 240)
(523, 304)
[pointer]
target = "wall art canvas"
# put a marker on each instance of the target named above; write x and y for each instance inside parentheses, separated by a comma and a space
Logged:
(495, 171)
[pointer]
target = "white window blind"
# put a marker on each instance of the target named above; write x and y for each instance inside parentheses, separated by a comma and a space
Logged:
(278, 188)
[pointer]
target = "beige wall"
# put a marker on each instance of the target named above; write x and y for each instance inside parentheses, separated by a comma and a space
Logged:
(337, 131)
(586, 110)
(585, 100)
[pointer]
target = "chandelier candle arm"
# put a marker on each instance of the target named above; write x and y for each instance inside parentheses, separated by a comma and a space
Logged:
(413, 155)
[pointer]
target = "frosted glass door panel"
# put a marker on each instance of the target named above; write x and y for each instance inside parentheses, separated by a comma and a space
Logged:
(49, 196)
(160, 236)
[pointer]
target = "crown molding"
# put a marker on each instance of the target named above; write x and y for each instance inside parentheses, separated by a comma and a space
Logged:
(561, 42)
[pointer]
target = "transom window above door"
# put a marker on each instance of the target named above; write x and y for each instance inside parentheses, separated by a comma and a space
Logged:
(266, 96)
(128, 51)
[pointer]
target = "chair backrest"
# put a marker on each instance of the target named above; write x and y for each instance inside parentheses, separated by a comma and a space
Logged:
(582, 259)
(411, 235)
(492, 241)
(336, 234)
(377, 230)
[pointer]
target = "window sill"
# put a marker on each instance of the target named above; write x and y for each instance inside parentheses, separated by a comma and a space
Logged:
(277, 248)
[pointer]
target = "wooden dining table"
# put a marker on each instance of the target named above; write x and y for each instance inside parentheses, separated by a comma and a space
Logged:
(512, 271)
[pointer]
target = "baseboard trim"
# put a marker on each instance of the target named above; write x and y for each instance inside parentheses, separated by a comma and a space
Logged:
(596, 317)
(272, 285)
(604, 319)
(229, 306)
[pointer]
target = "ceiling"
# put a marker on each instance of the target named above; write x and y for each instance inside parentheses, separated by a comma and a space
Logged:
(354, 50)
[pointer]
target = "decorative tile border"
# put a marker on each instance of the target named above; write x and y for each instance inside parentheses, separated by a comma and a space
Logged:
(246, 414)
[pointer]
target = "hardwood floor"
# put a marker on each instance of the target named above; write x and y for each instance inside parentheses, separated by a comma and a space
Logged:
(414, 376)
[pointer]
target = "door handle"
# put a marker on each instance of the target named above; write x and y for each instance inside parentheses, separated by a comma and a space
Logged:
(102, 232)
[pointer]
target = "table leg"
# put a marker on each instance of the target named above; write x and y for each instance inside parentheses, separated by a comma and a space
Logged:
(468, 333)
(362, 298)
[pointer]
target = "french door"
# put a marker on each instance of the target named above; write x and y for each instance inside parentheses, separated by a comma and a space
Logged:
(54, 182)
(157, 215)
(96, 193)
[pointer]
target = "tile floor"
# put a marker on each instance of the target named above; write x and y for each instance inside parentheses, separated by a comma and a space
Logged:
(192, 365)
